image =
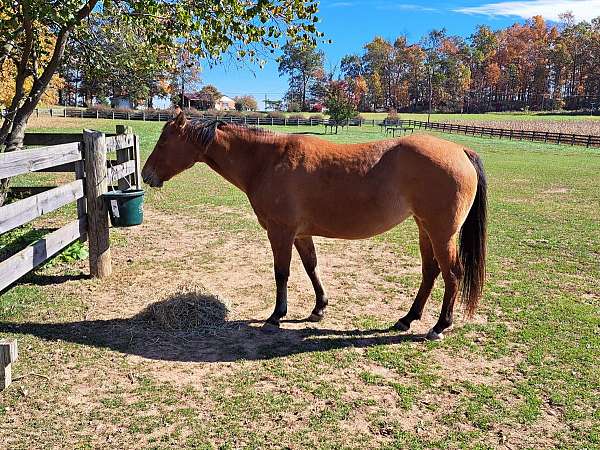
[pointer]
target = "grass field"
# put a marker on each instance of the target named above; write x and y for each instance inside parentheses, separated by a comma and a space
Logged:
(100, 372)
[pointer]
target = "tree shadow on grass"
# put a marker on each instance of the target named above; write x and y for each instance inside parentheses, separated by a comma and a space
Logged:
(194, 327)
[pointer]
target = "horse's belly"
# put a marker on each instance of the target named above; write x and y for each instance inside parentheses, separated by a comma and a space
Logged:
(356, 219)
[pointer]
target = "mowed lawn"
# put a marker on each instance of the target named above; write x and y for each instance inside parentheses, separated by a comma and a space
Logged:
(523, 374)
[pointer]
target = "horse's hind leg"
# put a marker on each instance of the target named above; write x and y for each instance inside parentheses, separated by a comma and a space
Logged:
(430, 270)
(306, 249)
(446, 254)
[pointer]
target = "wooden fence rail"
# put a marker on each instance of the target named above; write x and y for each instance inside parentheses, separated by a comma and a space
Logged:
(521, 135)
(85, 155)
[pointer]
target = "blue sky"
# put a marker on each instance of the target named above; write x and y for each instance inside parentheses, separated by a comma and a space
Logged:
(352, 23)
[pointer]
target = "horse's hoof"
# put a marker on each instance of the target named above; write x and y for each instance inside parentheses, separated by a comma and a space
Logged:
(401, 326)
(433, 336)
(270, 328)
(315, 317)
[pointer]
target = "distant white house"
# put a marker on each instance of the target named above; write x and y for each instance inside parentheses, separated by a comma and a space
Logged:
(225, 104)
(122, 102)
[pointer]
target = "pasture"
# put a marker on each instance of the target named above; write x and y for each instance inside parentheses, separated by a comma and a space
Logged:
(99, 369)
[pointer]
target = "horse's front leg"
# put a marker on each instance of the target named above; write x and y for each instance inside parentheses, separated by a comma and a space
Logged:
(306, 249)
(281, 243)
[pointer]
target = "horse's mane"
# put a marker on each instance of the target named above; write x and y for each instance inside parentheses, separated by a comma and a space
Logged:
(203, 132)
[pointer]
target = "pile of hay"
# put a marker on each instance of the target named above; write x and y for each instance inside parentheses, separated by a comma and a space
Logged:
(189, 308)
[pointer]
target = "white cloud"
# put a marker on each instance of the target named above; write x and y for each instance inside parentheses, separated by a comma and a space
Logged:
(380, 5)
(549, 9)
(340, 4)
(404, 7)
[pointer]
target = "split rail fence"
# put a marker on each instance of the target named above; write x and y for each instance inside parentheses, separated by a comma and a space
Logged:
(518, 135)
(499, 133)
(84, 155)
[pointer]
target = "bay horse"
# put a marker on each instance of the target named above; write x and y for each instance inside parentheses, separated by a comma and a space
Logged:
(301, 186)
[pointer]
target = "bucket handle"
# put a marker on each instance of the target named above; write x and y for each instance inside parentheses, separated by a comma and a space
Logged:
(126, 178)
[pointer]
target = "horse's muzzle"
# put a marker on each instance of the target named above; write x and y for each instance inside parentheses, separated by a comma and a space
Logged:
(150, 178)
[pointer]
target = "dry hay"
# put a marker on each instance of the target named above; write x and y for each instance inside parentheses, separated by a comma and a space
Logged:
(189, 308)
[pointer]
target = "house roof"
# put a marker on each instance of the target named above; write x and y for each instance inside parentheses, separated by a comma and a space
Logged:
(226, 99)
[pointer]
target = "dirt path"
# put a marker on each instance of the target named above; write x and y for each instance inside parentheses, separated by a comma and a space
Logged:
(176, 262)
(171, 254)
(223, 281)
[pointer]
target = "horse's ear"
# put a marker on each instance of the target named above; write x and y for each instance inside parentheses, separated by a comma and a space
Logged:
(180, 120)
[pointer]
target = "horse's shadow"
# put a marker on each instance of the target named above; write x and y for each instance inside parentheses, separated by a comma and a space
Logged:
(153, 334)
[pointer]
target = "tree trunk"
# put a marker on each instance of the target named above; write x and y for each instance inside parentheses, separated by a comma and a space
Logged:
(14, 141)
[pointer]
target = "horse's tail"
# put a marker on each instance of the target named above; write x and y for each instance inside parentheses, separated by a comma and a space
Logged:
(473, 236)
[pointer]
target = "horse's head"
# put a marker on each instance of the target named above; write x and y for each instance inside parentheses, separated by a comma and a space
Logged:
(172, 154)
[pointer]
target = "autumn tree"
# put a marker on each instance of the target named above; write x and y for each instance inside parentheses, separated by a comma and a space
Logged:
(111, 57)
(8, 73)
(303, 64)
(245, 103)
(211, 94)
(185, 76)
(340, 102)
(211, 29)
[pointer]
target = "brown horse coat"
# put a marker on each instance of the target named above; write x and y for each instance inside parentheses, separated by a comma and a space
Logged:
(300, 186)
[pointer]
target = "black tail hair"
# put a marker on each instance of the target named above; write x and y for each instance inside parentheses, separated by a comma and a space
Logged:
(473, 237)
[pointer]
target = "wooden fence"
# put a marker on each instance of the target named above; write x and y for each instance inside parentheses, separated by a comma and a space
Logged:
(158, 116)
(84, 155)
(521, 135)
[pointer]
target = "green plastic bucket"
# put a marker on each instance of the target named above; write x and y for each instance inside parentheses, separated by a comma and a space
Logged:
(125, 208)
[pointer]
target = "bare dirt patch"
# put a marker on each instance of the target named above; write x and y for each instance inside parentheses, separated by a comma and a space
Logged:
(182, 314)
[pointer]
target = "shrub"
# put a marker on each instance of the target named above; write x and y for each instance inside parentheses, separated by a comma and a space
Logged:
(392, 116)
(254, 114)
(100, 107)
(276, 115)
(190, 112)
(296, 117)
(316, 117)
(231, 113)
(294, 107)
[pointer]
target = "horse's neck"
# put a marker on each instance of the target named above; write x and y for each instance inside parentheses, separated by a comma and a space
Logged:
(237, 159)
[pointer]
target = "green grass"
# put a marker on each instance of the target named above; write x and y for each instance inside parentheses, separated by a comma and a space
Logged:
(539, 346)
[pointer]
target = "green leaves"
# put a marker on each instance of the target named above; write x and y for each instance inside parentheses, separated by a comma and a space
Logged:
(303, 63)
(340, 101)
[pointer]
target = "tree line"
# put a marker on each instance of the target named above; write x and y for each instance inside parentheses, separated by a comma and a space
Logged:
(526, 66)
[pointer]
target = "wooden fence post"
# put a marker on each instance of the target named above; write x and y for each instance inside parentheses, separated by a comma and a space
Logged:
(8, 355)
(96, 182)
